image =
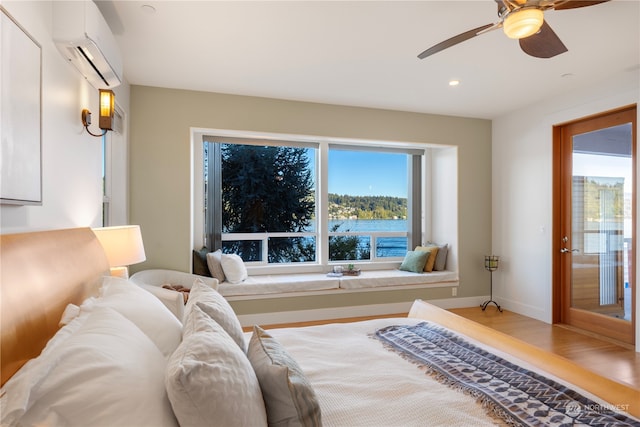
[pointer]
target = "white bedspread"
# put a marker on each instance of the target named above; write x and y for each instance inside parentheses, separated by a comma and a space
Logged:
(389, 392)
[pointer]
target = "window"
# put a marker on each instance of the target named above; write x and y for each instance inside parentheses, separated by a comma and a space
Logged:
(106, 182)
(260, 201)
(114, 179)
(296, 203)
(367, 203)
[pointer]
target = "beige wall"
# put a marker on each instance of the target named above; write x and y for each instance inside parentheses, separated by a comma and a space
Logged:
(160, 168)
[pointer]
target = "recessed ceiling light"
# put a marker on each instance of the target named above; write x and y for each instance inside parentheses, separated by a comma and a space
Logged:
(454, 82)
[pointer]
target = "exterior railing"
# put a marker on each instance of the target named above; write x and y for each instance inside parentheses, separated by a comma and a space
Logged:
(389, 245)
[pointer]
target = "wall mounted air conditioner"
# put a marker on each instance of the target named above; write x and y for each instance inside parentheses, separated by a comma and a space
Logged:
(85, 39)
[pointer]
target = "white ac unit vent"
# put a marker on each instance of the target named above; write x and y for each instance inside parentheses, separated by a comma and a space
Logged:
(85, 39)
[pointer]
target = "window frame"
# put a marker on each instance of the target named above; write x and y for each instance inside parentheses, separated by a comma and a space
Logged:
(114, 175)
(419, 208)
(214, 232)
(414, 200)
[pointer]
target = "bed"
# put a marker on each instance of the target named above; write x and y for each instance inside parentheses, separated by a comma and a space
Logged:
(82, 348)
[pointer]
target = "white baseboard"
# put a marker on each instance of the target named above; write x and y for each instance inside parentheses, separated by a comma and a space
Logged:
(526, 310)
(448, 303)
(275, 318)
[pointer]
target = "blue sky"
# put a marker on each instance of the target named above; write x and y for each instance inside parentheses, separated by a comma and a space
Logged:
(359, 173)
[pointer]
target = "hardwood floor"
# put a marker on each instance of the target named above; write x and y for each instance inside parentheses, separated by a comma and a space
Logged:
(605, 357)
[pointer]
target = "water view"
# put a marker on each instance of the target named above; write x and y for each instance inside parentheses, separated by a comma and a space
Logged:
(364, 199)
(386, 246)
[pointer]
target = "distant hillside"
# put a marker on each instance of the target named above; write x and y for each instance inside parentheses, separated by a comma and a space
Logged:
(367, 207)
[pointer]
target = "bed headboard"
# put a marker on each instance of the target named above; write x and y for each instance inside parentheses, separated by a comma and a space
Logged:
(40, 273)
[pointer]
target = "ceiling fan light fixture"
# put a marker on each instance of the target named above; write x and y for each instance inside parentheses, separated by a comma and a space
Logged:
(523, 23)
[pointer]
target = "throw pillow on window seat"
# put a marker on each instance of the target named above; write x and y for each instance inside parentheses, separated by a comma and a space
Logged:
(214, 262)
(234, 268)
(414, 261)
(431, 260)
(199, 262)
(441, 258)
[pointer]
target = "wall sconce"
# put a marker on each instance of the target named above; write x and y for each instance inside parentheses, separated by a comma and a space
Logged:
(123, 246)
(107, 110)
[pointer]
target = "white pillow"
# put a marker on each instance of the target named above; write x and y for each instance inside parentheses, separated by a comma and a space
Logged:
(16, 393)
(209, 380)
(173, 300)
(217, 307)
(145, 310)
(234, 268)
(71, 311)
(106, 373)
(214, 262)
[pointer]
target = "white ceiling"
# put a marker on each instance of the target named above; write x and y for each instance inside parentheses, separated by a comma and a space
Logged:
(364, 53)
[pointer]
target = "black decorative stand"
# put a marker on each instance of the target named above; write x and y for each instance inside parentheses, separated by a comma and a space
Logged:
(491, 264)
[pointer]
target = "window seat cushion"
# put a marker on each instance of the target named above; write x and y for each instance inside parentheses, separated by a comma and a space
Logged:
(386, 278)
(279, 283)
(286, 283)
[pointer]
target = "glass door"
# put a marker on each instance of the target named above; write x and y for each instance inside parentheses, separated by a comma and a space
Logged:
(597, 239)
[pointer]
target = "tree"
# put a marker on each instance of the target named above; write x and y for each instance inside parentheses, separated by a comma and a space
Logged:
(367, 207)
(267, 189)
(347, 248)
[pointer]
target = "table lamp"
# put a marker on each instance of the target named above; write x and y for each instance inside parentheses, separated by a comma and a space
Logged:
(123, 246)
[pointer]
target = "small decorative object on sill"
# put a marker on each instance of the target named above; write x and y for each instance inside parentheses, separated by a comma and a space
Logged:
(337, 271)
(351, 271)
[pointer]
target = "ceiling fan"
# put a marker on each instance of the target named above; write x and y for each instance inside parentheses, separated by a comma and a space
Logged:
(522, 20)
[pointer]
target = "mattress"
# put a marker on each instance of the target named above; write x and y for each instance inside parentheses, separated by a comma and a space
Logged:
(359, 382)
(332, 357)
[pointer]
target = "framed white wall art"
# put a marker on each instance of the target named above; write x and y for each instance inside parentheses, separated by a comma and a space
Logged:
(20, 114)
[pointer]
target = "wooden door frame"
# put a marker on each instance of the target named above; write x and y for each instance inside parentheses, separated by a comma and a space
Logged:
(559, 295)
(558, 225)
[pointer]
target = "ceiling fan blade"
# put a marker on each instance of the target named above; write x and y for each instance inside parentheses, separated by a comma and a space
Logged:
(574, 4)
(543, 44)
(455, 40)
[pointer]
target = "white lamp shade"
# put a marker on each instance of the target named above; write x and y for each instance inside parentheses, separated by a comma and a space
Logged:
(123, 245)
